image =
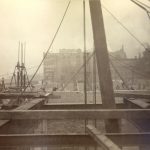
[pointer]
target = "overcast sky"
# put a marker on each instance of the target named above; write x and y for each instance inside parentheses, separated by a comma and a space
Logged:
(35, 21)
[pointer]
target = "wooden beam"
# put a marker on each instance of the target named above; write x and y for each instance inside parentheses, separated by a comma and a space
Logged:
(20, 127)
(134, 91)
(141, 124)
(132, 94)
(137, 103)
(13, 96)
(3, 122)
(33, 104)
(101, 139)
(76, 114)
(45, 140)
(100, 45)
(121, 139)
(30, 105)
(130, 139)
(76, 106)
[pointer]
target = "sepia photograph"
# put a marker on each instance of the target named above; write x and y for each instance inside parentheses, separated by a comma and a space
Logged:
(74, 74)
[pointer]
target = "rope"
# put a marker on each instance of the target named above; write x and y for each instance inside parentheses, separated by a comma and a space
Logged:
(141, 4)
(49, 46)
(144, 8)
(130, 33)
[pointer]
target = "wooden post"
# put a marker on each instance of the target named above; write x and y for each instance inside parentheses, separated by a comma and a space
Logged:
(105, 81)
(101, 139)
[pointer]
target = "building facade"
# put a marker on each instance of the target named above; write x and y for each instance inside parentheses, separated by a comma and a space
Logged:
(60, 67)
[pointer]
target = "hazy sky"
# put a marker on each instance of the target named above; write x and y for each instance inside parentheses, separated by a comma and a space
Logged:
(35, 21)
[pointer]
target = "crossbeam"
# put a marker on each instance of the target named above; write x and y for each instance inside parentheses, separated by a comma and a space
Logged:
(132, 94)
(76, 106)
(45, 140)
(76, 114)
(141, 124)
(13, 96)
(121, 139)
(101, 139)
(30, 105)
(117, 93)
(137, 103)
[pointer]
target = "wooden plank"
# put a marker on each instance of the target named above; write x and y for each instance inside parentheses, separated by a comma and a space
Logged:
(134, 91)
(76, 114)
(3, 122)
(45, 140)
(132, 94)
(76, 106)
(30, 105)
(100, 45)
(19, 127)
(121, 139)
(13, 96)
(142, 124)
(101, 139)
(130, 139)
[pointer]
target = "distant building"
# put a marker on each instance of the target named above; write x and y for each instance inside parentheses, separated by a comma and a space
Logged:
(59, 67)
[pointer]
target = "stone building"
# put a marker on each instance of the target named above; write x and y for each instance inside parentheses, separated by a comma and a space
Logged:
(59, 67)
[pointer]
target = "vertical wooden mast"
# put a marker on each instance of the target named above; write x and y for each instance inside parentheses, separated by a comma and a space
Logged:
(105, 81)
(84, 54)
